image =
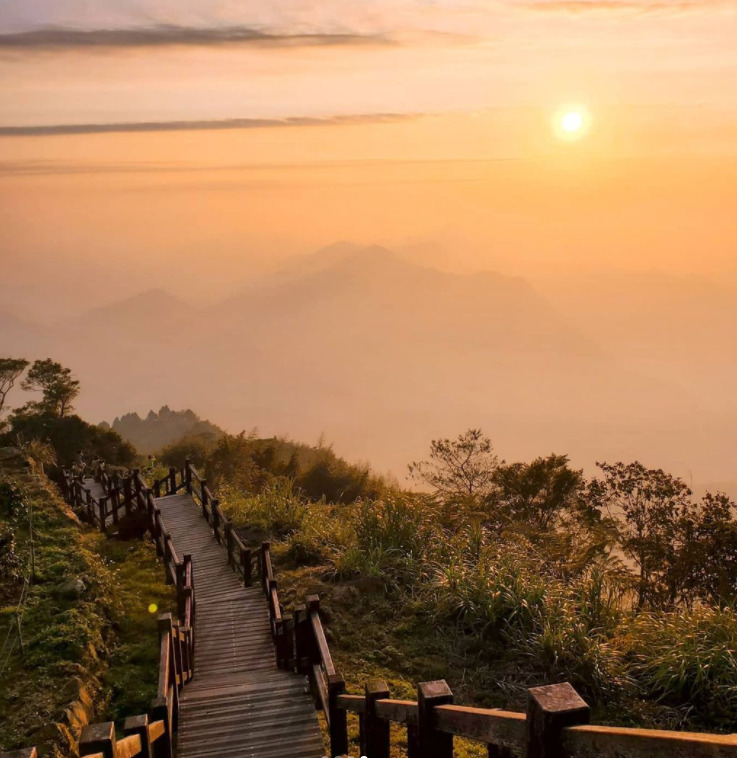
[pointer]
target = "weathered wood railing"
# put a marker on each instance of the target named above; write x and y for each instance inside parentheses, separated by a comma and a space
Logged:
(555, 725)
(153, 734)
(148, 735)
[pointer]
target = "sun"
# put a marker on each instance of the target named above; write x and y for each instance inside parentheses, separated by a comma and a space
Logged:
(571, 122)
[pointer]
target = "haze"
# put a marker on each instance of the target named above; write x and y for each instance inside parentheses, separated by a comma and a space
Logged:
(575, 297)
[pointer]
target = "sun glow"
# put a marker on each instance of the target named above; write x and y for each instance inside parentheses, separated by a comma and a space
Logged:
(571, 122)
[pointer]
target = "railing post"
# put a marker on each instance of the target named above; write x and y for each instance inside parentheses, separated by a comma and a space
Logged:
(172, 480)
(203, 490)
(301, 640)
(166, 540)
(179, 571)
(229, 542)
(338, 716)
(375, 738)
(98, 738)
(162, 748)
(115, 503)
(138, 725)
(101, 507)
(179, 659)
(283, 653)
(157, 489)
(127, 494)
(413, 742)
(156, 530)
(188, 475)
(313, 608)
(265, 550)
(215, 509)
(549, 710)
(246, 564)
(432, 743)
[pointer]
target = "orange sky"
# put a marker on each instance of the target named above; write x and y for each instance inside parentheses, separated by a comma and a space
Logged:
(467, 152)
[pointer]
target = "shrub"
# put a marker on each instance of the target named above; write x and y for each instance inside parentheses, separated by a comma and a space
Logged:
(277, 510)
(70, 434)
(688, 658)
(9, 559)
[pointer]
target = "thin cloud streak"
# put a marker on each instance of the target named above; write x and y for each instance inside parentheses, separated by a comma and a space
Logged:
(620, 6)
(182, 126)
(170, 35)
(51, 168)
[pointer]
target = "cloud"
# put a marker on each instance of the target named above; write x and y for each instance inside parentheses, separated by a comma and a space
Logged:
(622, 6)
(181, 126)
(169, 35)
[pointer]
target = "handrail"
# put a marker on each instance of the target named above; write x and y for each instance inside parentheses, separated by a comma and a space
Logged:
(145, 735)
(555, 725)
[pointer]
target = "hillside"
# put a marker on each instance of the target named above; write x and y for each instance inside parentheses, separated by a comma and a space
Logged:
(152, 311)
(89, 645)
(352, 341)
(157, 430)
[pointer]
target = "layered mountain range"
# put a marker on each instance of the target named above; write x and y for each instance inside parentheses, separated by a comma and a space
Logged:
(382, 354)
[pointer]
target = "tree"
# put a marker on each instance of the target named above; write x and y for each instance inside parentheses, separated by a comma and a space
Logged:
(70, 435)
(56, 383)
(535, 493)
(704, 565)
(646, 508)
(10, 370)
(462, 468)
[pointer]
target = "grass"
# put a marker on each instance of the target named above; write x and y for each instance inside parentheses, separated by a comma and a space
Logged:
(408, 598)
(93, 652)
(131, 678)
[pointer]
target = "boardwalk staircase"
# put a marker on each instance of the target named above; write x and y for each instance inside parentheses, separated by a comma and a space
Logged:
(240, 677)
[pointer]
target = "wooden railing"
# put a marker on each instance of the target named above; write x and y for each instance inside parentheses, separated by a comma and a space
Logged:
(148, 735)
(554, 726)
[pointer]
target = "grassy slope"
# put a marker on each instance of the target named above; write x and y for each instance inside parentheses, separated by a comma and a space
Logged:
(371, 637)
(392, 618)
(95, 643)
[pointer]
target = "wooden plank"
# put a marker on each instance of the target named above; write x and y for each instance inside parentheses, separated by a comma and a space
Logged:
(238, 703)
(398, 711)
(615, 742)
(352, 703)
(128, 747)
(503, 728)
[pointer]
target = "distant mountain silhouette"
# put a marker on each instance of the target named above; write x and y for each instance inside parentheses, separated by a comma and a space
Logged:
(18, 336)
(152, 310)
(157, 430)
(382, 354)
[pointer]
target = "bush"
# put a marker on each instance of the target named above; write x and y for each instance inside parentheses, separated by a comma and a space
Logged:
(325, 532)
(277, 510)
(688, 658)
(9, 559)
(336, 481)
(70, 434)
(11, 499)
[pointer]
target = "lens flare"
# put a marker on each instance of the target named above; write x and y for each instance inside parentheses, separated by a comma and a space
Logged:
(153, 608)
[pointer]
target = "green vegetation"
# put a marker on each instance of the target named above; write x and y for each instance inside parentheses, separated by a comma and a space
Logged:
(57, 385)
(47, 422)
(79, 603)
(519, 575)
(148, 435)
(246, 463)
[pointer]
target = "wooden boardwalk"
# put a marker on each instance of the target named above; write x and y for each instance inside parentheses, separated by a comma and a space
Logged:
(239, 703)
